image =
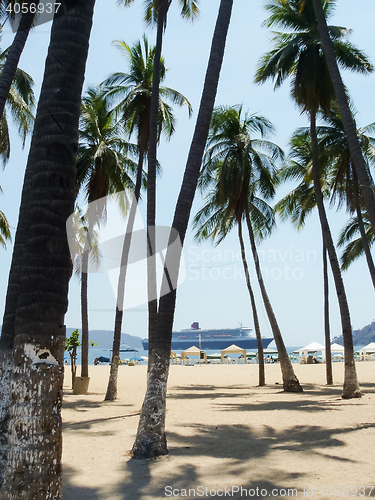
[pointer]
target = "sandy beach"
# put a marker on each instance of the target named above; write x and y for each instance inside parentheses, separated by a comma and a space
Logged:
(223, 433)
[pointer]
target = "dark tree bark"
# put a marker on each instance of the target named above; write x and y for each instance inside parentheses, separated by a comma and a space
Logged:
(14, 54)
(347, 118)
(151, 440)
(351, 387)
(290, 380)
(262, 380)
(111, 393)
(151, 180)
(327, 332)
(33, 469)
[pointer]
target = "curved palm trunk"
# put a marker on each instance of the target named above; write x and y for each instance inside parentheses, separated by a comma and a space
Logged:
(34, 453)
(151, 181)
(351, 387)
(151, 440)
(327, 332)
(262, 381)
(14, 54)
(290, 381)
(347, 118)
(111, 393)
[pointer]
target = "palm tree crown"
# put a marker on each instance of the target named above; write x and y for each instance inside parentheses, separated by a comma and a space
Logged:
(236, 165)
(103, 161)
(298, 53)
(20, 104)
(132, 94)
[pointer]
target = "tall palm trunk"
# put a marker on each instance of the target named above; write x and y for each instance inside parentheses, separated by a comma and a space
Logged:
(8, 328)
(14, 54)
(7, 333)
(33, 467)
(347, 118)
(327, 332)
(84, 304)
(111, 393)
(151, 180)
(351, 387)
(151, 440)
(262, 380)
(290, 381)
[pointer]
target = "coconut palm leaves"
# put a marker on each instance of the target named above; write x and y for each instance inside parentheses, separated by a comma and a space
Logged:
(102, 169)
(131, 94)
(350, 238)
(19, 106)
(298, 54)
(189, 8)
(342, 101)
(237, 168)
(345, 181)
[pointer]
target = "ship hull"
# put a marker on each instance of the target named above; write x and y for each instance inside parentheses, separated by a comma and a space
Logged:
(214, 344)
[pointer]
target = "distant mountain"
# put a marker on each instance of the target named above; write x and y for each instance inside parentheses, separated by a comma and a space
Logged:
(360, 337)
(104, 338)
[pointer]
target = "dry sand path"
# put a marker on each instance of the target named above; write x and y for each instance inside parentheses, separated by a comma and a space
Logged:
(223, 432)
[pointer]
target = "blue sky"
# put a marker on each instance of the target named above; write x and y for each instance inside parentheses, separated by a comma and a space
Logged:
(214, 291)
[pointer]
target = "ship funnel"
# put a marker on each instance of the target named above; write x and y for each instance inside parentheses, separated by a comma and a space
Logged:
(195, 325)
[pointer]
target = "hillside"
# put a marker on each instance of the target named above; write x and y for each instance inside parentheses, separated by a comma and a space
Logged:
(104, 339)
(360, 337)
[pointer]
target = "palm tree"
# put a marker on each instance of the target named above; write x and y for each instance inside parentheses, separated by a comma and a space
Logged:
(41, 269)
(156, 12)
(299, 54)
(354, 246)
(9, 69)
(300, 202)
(237, 167)
(151, 440)
(102, 170)
(20, 103)
(132, 93)
(346, 187)
(348, 121)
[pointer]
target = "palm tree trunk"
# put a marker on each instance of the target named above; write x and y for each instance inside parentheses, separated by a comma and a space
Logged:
(111, 393)
(290, 381)
(327, 332)
(84, 306)
(347, 118)
(262, 381)
(14, 54)
(5, 381)
(33, 467)
(150, 440)
(351, 387)
(151, 181)
(8, 327)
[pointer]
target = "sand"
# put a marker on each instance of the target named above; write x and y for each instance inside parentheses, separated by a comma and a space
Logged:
(223, 433)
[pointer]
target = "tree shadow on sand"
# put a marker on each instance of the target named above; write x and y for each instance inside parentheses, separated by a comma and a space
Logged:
(74, 492)
(240, 448)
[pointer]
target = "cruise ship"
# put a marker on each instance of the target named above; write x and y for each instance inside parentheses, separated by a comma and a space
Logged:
(215, 339)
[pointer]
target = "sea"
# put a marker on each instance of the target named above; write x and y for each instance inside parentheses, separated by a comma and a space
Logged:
(141, 355)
